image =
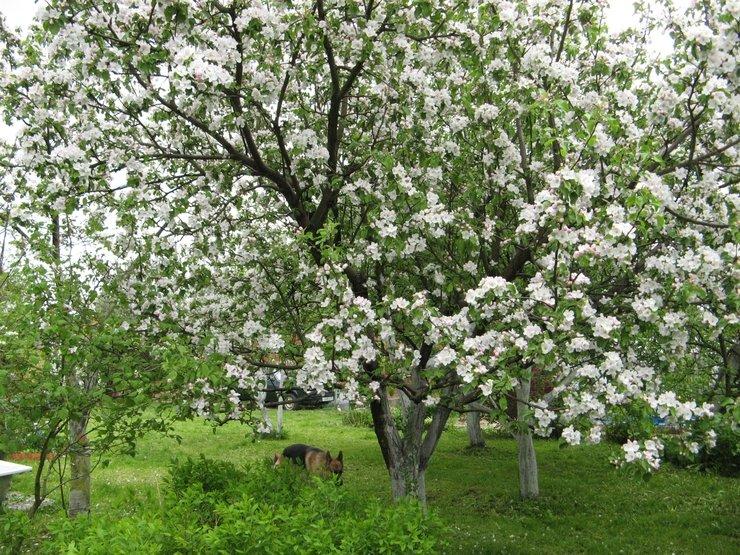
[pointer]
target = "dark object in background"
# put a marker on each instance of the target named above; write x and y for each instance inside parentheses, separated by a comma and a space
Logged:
(299, 398)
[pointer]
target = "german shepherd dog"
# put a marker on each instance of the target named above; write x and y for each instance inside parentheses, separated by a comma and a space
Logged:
(316, 461)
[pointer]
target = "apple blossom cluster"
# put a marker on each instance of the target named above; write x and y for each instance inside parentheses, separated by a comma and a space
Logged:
(648, 451)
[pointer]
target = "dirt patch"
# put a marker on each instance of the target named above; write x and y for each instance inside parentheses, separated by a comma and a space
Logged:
(29, 456)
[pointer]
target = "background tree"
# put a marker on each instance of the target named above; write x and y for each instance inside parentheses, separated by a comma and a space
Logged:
(76, 375)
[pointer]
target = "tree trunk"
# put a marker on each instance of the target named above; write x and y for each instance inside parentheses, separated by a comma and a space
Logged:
(266, 418)
(475, 434)
(280, 407)
(404, 476)
(528, 479)
(79, 484)
(407, 455)
(38, 481)
(79, 451)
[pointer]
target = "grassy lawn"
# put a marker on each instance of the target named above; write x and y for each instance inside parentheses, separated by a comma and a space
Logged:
(586, 505)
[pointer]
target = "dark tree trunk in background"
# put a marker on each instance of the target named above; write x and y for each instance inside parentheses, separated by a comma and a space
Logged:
(475, 433)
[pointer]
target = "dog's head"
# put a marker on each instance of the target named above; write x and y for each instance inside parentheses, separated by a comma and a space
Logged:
(336, 466)
(277, 459)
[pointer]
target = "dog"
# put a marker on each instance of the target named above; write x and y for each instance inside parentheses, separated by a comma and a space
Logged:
(314, 460)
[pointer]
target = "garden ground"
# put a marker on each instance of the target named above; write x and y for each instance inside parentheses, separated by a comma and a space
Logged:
(586, 505)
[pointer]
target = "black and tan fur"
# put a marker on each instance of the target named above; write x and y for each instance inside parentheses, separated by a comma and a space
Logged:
(315, 460)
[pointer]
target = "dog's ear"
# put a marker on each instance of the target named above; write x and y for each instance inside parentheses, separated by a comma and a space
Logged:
(328, 457)
(340, 457)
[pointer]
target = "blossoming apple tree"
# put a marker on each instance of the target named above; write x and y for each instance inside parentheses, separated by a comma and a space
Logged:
(77, 375)
(449, 199)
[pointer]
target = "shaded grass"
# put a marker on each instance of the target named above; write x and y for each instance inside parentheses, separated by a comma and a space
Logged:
(586, 505)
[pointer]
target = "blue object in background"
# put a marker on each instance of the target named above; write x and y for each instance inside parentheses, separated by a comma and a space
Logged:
(658, 421)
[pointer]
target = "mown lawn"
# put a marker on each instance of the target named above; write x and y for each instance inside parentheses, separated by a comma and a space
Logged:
(586, 506)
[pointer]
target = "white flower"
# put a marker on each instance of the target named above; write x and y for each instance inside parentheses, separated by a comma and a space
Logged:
(544, 417)
(711, 439)
(594, 435)
(571, 436)
(445, 356)
(486, 388)
(604, 325)
(458, 123)
(486, 112)
(547, 346)
(631, 451)
(653, 447)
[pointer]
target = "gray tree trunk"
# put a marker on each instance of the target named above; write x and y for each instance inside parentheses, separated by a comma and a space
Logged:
(407, 453)
(280, 407)
(475, 433)
(404, 474)
(79, 484)
(79, 451)
(261, 396)
(528, 478)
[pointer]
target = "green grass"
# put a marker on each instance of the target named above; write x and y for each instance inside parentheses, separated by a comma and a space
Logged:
(586, 505)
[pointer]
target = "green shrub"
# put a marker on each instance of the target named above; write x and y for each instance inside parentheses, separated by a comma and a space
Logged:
(357, 418)
(213, 507)
(211, 475)
(626, 423)
(362, 418)
(723, 458)
(405, 529)
(14, 531)
(99, 536)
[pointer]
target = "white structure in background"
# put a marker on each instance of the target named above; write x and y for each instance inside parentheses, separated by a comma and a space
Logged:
(266, 428)
(7, 471)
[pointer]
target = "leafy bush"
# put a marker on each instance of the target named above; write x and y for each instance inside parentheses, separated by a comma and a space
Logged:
(213, 507)
(627, 423)
(135, 534)
(14, 530)
(724, 457)
(211, 475)
(357, 418)
(361, 418)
